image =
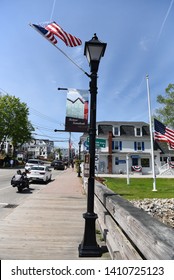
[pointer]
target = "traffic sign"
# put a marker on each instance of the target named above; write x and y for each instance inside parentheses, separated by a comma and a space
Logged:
(99, 143)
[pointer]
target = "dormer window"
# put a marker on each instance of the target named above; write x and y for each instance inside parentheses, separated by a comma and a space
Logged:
(138, 131)
(116, 131)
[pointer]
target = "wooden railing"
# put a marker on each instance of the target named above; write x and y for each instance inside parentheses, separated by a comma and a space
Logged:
(130, 233)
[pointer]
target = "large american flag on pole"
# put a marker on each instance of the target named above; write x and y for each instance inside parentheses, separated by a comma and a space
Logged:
(163, 133)
(68, 39)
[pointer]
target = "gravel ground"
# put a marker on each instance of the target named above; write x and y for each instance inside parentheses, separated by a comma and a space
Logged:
(161, 209)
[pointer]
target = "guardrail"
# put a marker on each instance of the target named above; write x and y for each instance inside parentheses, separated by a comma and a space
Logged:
(129, 232)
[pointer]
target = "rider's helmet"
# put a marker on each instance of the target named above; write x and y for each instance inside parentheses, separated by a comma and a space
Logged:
(19, 172)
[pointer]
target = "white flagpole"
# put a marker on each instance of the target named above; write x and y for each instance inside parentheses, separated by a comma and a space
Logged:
(151, 135)
(60, 50)
(127, 168)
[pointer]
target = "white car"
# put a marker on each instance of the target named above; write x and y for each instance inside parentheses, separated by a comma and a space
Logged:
(32, 162)
(39, 173)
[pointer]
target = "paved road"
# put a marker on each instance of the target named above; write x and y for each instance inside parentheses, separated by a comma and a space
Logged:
(9, 196)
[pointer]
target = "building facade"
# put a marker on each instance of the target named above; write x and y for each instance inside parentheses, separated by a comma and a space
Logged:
(122, 146)
(37, 148)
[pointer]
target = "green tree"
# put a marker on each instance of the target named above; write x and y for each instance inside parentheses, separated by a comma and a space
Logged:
(14, 123)
(166, 113)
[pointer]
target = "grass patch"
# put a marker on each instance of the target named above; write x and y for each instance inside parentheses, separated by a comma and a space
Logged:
(140, 188)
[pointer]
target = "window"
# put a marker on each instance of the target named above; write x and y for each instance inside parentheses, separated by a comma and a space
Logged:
(103, 129)
(145, 162)
(145, 130)
(127, 130)
(139, 146)
(165, 159)
(138, 131)
(116, 161)
(116, 131)
(116, 145)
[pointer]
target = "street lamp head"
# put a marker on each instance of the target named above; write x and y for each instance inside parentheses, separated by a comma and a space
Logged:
(94, 50)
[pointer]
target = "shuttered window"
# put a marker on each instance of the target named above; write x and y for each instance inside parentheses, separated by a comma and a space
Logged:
(117, 145)
(139, 146)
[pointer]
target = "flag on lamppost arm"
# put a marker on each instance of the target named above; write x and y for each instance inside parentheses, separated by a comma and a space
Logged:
(49, 31)
(48, 34)
(163, 133)
(52, 29)
(68, 39)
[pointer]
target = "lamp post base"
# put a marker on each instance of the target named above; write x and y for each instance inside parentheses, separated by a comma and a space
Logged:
(89, 246)
(89, 251)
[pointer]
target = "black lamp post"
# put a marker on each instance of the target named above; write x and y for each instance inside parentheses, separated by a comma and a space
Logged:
(94, 50)
(79, 170)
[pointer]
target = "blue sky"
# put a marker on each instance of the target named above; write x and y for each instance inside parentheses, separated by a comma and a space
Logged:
(140, 41)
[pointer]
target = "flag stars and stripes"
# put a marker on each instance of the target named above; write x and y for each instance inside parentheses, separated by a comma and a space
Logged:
(53, 29)
(49, 35)
(69, 40)
(163, 133)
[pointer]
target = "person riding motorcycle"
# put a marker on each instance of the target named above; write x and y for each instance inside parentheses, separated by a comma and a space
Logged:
(17, 176)
(20, 180)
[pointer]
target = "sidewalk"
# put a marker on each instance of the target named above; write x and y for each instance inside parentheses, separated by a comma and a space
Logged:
(48, 225)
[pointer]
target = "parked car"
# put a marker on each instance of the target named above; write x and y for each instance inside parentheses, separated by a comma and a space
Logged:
(53, 163)
(39, 173)
(59, 165)
(32, 162)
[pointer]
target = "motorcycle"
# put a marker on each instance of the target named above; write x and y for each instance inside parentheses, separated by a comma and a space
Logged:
(20, 181)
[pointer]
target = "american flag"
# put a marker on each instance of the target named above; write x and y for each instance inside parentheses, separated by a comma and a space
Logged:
(163, 133)
(48, 34)
(69, 40)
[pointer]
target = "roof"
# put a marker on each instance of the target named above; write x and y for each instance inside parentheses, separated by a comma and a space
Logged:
(126, 128)
(106, 126)
(163, 146)
(118, 123)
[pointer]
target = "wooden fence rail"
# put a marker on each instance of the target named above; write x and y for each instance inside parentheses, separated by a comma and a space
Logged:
(130, 233)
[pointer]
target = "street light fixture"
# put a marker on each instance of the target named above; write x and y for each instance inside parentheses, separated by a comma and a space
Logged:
(94, 50)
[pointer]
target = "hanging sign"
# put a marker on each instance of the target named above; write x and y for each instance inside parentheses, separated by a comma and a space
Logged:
(77, 110)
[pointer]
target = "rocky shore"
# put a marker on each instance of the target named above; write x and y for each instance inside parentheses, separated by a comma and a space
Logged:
(161, 209)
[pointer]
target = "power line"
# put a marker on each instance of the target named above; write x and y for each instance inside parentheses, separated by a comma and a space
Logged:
(34, 111)
(37, 126)
(41, 115)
